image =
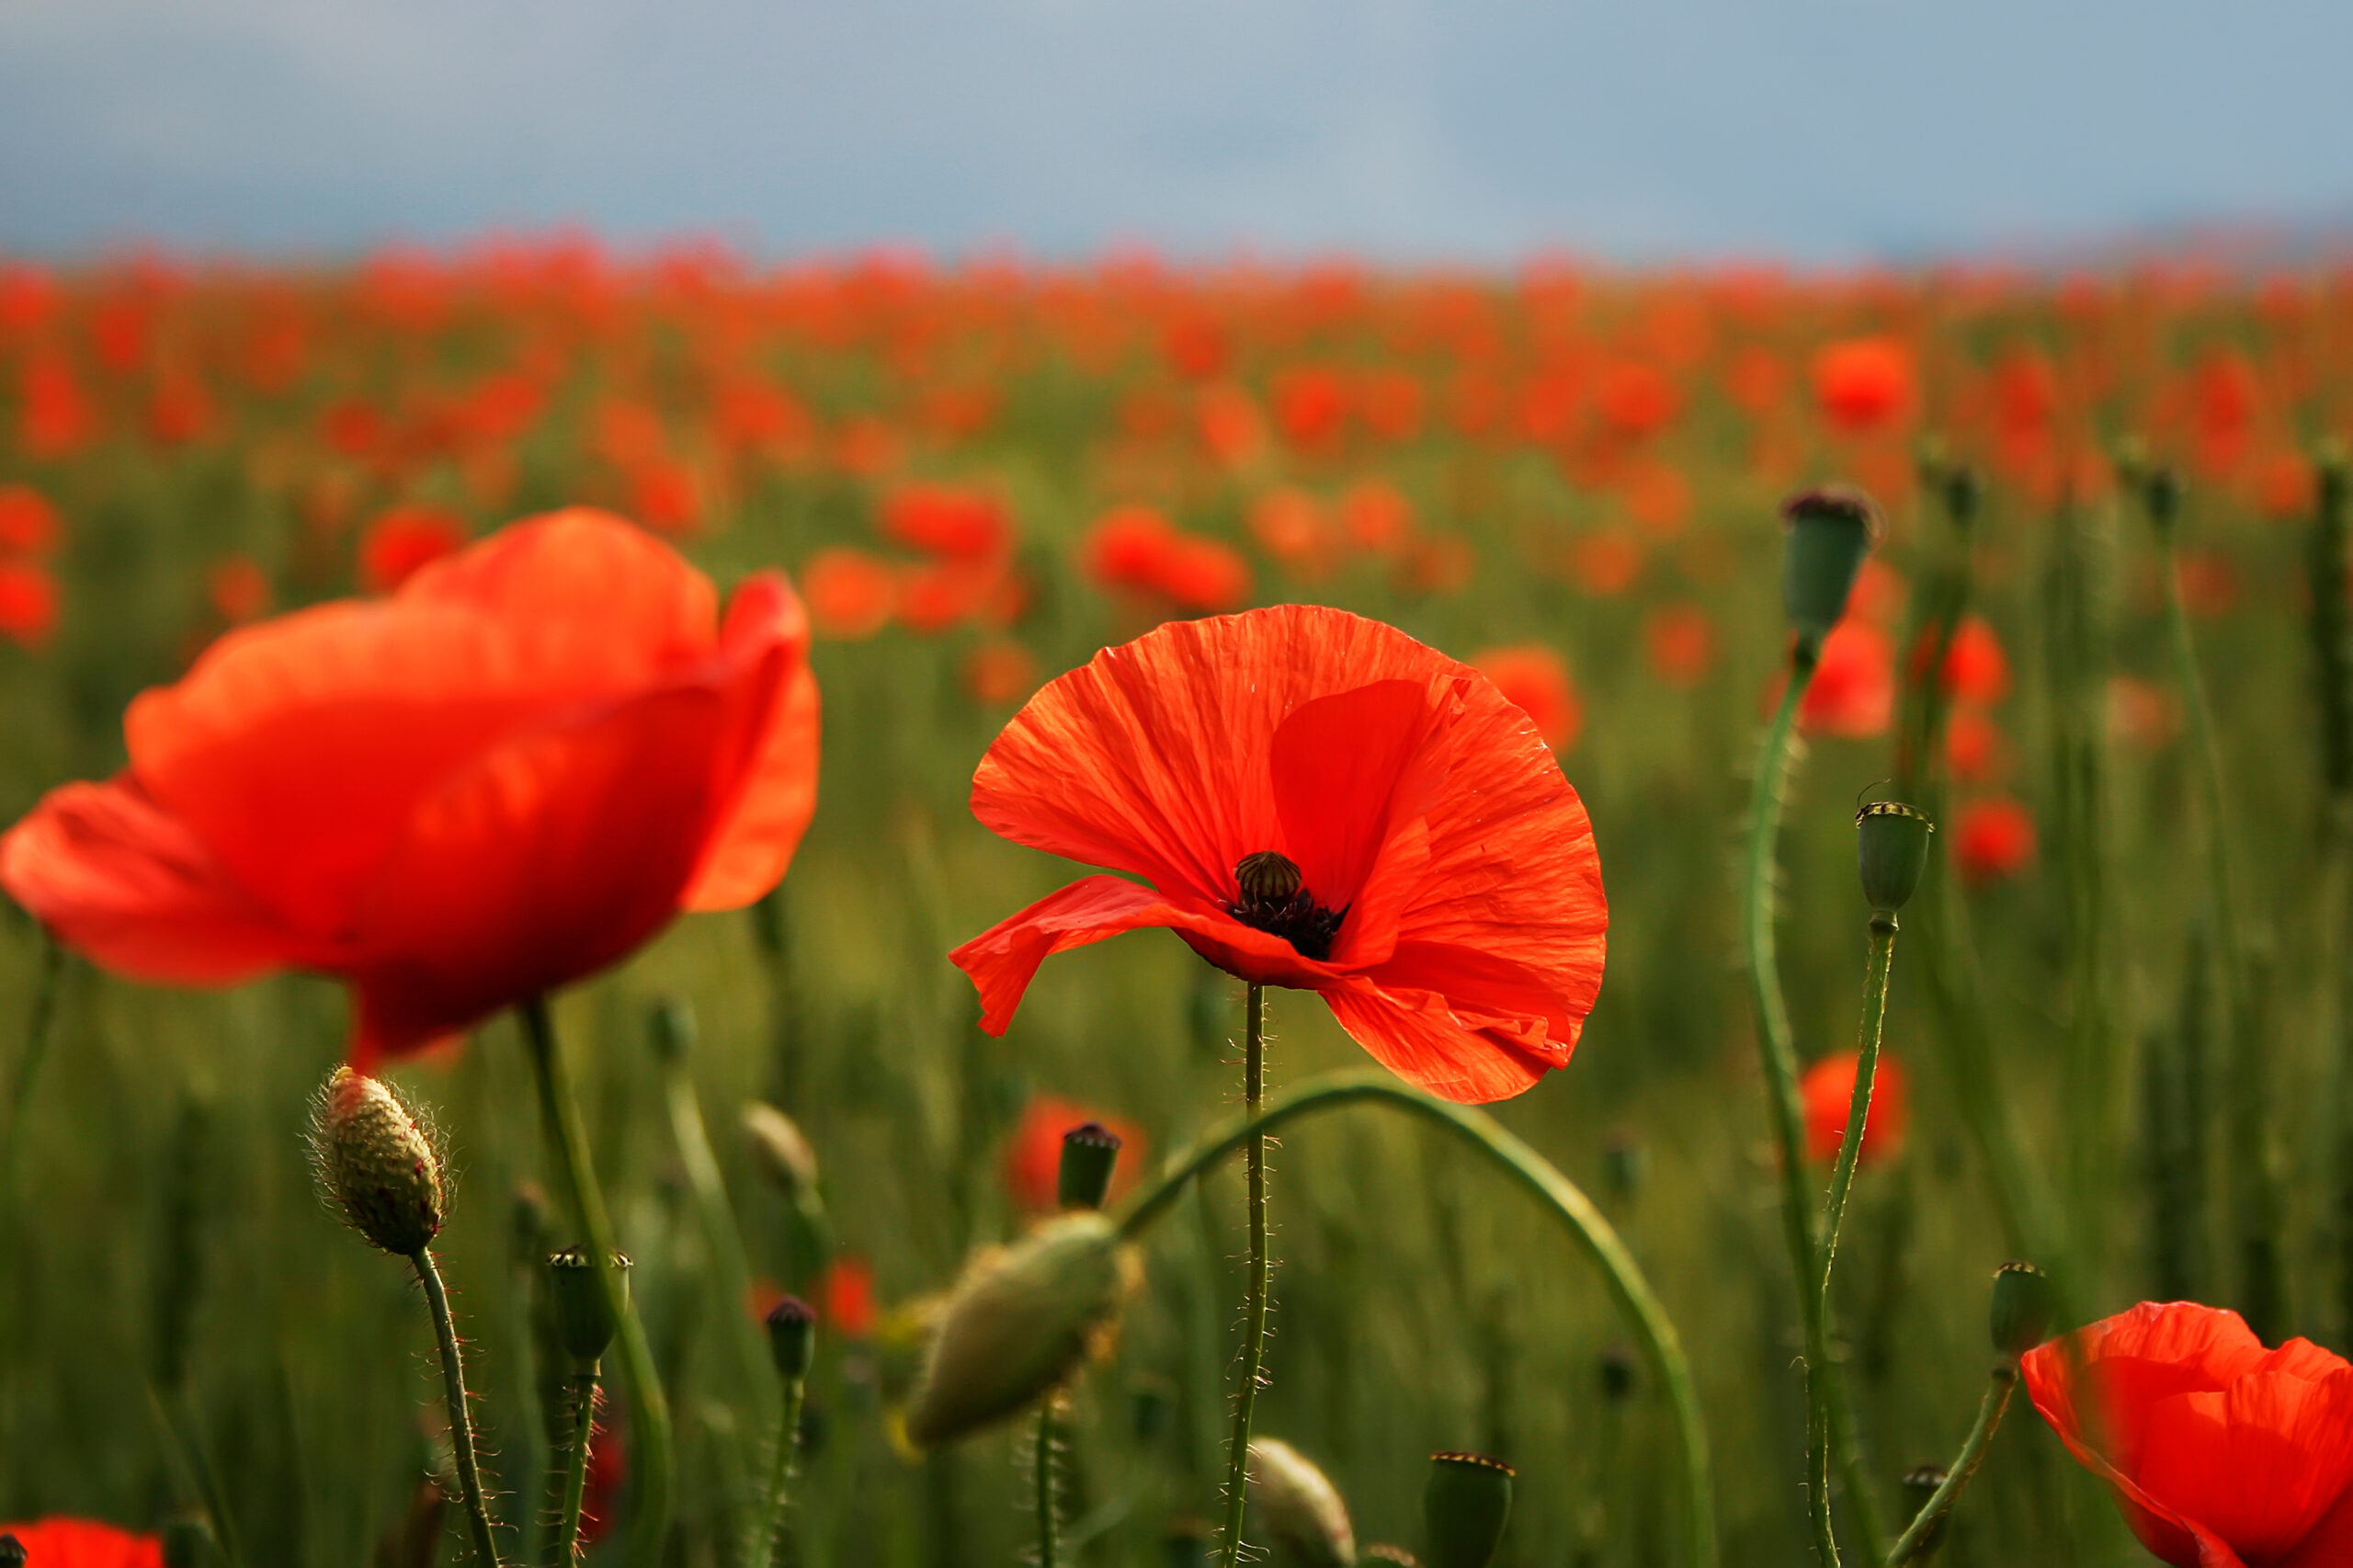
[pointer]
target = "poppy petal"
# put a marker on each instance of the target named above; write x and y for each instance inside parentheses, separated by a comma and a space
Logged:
(119, 879)
(1417, 1036)
(1345, 769)
(2331, 1542)
(761, 827)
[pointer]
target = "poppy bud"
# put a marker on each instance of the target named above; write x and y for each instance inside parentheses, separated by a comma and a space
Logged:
(1090, 1150)
(12, 1552)
(1962, 489)
(2020, 1318)
(1891, 842)
(1616, 1367)
(2329, 469)
(2161, 493)
(188, 1543)
(1465, 1507)
(671, 1024)
(1267, 878)
(1300, 1507)
(532, 1225)
(1622, 1163)
(1920, 1483)
(779, 1147)
(376, 1163)
(1018, 1324)
(584, 1322)
(792, 1337)
(1830, 532)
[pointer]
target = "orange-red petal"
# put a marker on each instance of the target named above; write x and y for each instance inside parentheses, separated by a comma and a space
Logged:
(762, 825)
(1417, 1035)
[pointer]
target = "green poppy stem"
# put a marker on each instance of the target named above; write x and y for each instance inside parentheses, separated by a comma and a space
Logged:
(649, 1409)
(1049, 1519)
(1859, 1104)
(1253, 1326)
(565, 1546)
(462, 1425)
(1533, 1173)
(1921, 1533)
(776, 1504)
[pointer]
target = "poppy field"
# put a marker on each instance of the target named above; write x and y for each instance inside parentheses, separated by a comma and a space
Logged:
(665, 910)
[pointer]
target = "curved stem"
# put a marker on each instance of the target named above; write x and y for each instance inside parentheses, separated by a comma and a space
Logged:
(777, 1503)
(1825, 1384)
(453, 1385)
(1920, 1536)
(1048, 1523)
(565, 1547)
(1254, 1319)
(649, 1408)
(718, 1216)
(1859, 1104)
(1534, 1175)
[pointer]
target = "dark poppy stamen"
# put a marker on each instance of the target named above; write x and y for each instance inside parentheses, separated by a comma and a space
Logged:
(1272, 896)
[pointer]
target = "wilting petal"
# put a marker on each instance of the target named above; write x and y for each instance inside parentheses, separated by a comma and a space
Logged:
(123, 882)
(1417, 1036)
(771, 807)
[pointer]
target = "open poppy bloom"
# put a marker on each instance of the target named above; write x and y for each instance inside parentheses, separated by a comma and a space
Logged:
(2221, 1454)
(1317, 800)
(84, 1543)
(504, 777)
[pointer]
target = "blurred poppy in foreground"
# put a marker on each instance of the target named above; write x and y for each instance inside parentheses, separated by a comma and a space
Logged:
(83, 1544)
(505, 778)
(1828, 1091)
(2221, 1454)
(1034, 1156)
(1316, 801)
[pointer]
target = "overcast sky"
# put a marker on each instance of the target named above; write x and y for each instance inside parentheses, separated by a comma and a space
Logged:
(1818, 130)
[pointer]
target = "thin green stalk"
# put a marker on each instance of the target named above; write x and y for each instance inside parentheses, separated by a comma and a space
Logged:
(565, 1546)
(39, 1026)
(776, 1503)
(649, 1407)
(1924, 1525)
(1587, 1227)
(720, 1231)
(461, 1425)
(1859, 1104)
(1254, 1319)
(1049, 1521)
(1825, 1381)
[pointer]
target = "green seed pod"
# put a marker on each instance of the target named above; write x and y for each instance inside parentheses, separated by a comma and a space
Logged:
(1830, 532)
(670, 1023)
(376, 1165)
(1090, 1153)
(1465, 1507)
(780, 1149)
(1962, 490)
(1920, 1483)
(1298, 1505)
(584, 1322)
(1891, 843)
(792, 1339)
(1019, 1323)
(2020, 1317)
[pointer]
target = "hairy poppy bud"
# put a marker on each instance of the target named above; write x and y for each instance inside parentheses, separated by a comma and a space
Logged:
(12, 1552)
(376, 1163)
(2020, 1318)
(671, 1024)
(1830, 532)
(1090, 1150)
(1300, 1507)
(792, 1337)
(1465, 1506)
(584, 1322)
(1018, 1324)
(781, 1148)
(1891, 842)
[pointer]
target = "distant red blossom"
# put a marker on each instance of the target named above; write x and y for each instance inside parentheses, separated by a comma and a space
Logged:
(1828, 1094)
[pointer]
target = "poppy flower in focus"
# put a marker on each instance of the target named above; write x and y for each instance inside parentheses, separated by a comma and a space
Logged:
(28, 521)
(504, 777)
(1853, 694)
(1993, 840)
(850, 593)
(1536, 680)
(2221, 1454)
(85, 1543)
(1828, 1092)
(27, 604)
(401, 541)
(1864, 384)
(1317, 800)
(1034, 1156)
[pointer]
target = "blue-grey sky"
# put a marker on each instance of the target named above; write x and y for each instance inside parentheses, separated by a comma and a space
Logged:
(1819, 131)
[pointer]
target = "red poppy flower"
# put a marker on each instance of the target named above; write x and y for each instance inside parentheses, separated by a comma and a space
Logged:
(1034, 1156)
(238, 588)
(29, 522)
(1317, 800)
(1536, 680)
(847, 1291)
(1976, 670)
(401, 541)
(998, 674)
(1995, 839)
(84, 1543)
(2221, 1454)
(941, 519)
(1828, 1091)
(503, 778)
(850, 593)
(28, 603)
(1681, 642)
(1853, 694)
(1864, 384)
(1974, 748)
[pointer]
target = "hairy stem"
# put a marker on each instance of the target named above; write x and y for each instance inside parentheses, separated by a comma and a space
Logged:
(1049, 1521)
(1859, 1104)
(1253, 1313)
(1921, 1532)
(462, 1425)
(565, 1547)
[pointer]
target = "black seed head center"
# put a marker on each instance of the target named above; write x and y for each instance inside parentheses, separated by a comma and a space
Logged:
(1271, 895)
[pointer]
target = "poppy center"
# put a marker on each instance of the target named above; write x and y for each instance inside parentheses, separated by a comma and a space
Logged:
(1272, 896)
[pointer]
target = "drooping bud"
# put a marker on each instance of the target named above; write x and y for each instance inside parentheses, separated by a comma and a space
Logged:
(1920, 1483)
(670, 1023)
(1298, 1505)
(1267, 878)
(1465, 1506)
(792, 1337)
(1090, 1151)
(584, 1320)
(1891, 843)
(781, 1148)
(376, 1165)
(12, 1552)
(1830, 532)
(1019, 1324)
(2020, 1316)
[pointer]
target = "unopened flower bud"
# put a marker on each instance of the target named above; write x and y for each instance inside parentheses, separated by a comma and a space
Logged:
(376, 1163)
(187, 1542)
(792, 1339)
(584, 1319)
(1019, 1324)
(2161, 495)
(1617, 1369)
(1920, 1483)
(12, 1552)
(1830, 532)
(1962, 489)
(2020, 1317)
(1090, 1151)
(1464, 1508)
(1891, 842)
(779, 1147)
(2330, 474)
(532, 1225)
(1298, 1505)
(670, 1022)
(1622, 1163)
